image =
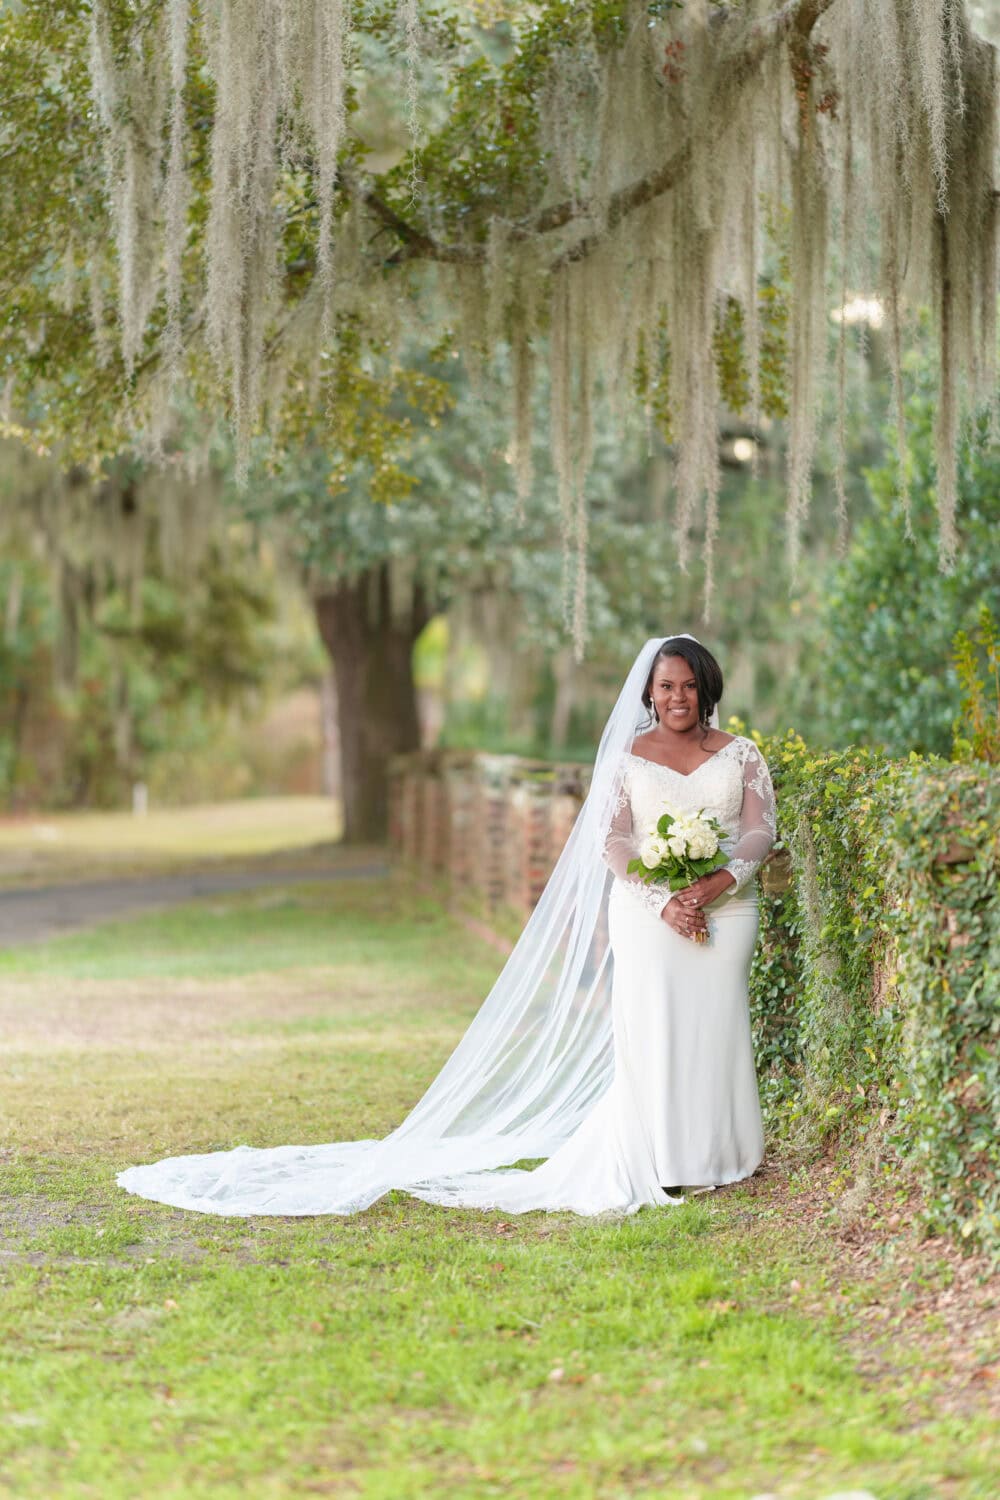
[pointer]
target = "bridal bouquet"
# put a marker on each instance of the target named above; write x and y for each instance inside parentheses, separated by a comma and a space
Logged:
(678, 850)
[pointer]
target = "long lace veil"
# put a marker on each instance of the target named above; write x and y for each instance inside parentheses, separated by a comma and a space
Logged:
(535, 1059)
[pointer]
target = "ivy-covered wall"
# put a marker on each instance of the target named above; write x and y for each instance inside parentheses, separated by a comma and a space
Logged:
(876, 985)
(875, 990)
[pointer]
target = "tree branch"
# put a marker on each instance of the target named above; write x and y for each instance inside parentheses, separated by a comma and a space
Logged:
(417, 244)
(793, 22)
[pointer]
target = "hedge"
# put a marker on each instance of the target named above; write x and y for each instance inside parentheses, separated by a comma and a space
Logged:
(875, 990)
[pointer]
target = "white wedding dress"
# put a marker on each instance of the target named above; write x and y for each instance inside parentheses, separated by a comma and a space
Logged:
(683, 1108)
(610, 1045)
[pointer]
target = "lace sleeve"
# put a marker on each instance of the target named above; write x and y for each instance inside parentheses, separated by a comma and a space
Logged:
(758, 827)
(620, 846)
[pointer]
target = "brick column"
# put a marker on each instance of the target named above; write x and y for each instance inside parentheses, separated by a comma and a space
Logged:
(433, 831)
(460, 799)
(529, 861)
(490, 827)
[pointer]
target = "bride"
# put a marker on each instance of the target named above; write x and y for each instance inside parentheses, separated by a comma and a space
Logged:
(615, 1043)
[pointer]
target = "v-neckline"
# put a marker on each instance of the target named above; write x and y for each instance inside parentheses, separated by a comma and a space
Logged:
(646, 760)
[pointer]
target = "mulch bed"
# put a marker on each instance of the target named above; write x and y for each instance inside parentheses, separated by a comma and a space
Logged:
(916, 1297)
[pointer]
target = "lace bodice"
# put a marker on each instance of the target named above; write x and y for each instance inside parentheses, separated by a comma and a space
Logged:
(733, 785)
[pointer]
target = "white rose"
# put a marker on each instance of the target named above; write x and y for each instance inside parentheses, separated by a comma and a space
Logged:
(650, 853)
(702, 838)
(677, 845)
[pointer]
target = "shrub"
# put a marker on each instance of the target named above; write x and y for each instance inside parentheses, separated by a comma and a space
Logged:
(874, 988)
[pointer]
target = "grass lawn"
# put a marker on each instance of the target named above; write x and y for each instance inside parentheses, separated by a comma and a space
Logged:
(715, 1350)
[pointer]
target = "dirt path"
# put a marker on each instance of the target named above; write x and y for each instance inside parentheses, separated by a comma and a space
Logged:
(28, 916)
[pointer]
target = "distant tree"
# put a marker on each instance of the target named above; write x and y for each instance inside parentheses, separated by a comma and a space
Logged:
(123, 632)
(880, 670)
(378, 572)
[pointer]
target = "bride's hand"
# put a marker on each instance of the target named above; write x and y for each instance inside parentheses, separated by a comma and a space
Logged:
(700, 892)
(688, 921)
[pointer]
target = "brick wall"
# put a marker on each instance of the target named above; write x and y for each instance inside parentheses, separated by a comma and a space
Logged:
(492, 825)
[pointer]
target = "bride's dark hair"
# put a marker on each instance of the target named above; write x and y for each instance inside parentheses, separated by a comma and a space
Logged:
(707, 673)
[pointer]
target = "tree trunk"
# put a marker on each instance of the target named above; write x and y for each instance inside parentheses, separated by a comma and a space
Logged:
(370, 643)
(330, 763)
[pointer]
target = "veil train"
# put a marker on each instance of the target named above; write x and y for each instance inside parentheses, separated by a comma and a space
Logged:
(534, 1061)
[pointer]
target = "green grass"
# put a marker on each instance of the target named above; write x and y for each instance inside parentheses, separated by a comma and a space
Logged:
(231, 935)
(408, 1351)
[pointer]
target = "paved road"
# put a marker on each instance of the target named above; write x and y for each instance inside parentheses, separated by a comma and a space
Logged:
(32, 915)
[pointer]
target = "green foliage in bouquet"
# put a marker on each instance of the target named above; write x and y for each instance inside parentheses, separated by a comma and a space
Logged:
(679, 870)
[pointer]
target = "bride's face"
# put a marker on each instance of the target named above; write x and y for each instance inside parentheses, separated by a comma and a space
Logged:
(674, 693)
